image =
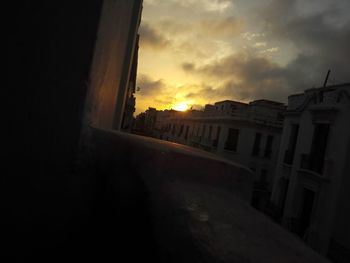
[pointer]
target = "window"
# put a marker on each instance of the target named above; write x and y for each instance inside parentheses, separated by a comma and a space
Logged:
(218, 133)
(263, 176)
(318, 148)
(210, 131)
(232, 139)
(203, 131)
(181, 130)
(306, 211)
(216, 141)
(268, 147)
(256, 145)
(289, 154)
(186, 132)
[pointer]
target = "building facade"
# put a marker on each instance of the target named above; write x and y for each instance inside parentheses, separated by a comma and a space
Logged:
(311, 188)
(248, 134)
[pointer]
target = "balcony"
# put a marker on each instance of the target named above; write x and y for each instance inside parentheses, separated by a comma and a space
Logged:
(319, 171)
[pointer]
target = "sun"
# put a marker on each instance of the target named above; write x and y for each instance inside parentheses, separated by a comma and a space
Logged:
(182, 106)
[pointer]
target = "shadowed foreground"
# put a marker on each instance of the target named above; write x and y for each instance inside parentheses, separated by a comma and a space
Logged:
(141, 198)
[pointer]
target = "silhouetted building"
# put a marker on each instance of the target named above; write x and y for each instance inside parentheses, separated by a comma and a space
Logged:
(145, 122)
(312, 182)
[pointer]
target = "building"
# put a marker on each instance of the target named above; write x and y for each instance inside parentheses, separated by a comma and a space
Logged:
(312, 182)
(130, 101)
(145, 122)
(248, 134)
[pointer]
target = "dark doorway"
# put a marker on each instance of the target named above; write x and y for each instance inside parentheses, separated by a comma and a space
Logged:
(305, 216)
(318, 148)
(283, 196)
(256, 146)
(232, 139)
(289, 154)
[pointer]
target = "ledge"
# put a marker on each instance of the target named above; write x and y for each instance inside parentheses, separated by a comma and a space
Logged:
(198, 203)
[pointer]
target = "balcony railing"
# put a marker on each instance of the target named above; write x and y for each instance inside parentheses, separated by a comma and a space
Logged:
(230, 146)
(309, 162)
(196, 139)
(206, 142)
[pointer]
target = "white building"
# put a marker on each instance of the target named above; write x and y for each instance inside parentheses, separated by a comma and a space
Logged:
(248, 134)
(312, 182)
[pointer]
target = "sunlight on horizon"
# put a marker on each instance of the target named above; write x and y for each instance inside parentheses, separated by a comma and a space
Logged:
(182, 106)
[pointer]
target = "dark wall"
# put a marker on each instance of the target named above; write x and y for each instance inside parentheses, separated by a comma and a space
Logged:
(50, 50)
(339, 247)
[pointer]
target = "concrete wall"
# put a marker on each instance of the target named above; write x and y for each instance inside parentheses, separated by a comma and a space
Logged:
(51, 52)
(112, 63)
(341, 235)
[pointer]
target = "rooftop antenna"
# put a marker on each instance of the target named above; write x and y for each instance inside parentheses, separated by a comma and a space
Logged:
(325, 81)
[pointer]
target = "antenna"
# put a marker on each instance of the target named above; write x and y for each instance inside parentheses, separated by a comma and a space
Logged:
(325, 81)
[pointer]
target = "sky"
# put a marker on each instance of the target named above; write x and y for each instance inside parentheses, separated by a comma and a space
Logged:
(195, 52)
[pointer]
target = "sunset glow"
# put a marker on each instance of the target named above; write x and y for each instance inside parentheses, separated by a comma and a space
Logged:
(205, 51)
(181, 106)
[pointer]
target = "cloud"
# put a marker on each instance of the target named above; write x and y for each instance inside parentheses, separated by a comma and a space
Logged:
(270, 50)
(250, 36)
(260, 44)
(148, 86)
(173, 26)
(207, 5)
(227, 26)
(247, 77)
(321, 42)
(151, 38)
(188, 66)
(321, 34)
(283, 47)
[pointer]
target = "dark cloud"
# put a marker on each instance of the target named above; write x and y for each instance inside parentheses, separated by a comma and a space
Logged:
(322, 44)
(208, 93)
(149, 87)
(322, 37)
(187, 66)
(248, 77)
(227, 26)
(151, 38)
